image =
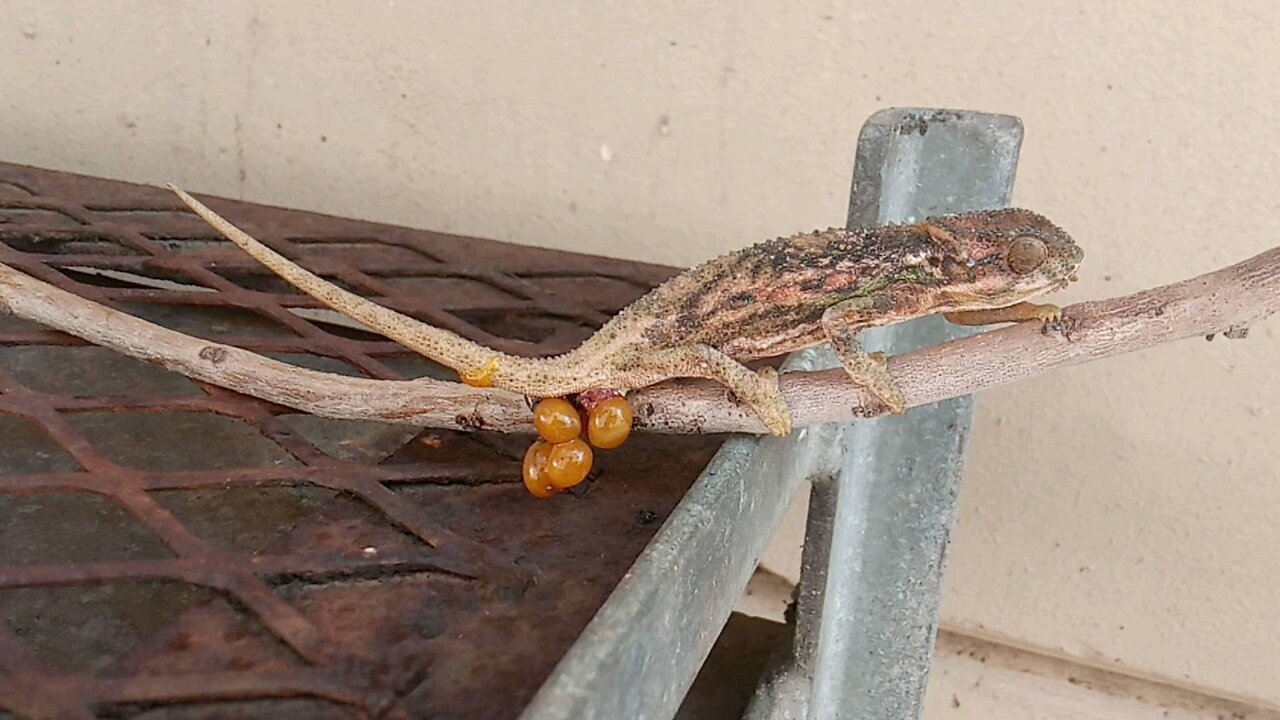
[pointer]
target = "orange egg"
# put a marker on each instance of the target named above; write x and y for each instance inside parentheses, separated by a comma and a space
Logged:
(609, 423)
(568, 464)
(536, 478)
(557, 420)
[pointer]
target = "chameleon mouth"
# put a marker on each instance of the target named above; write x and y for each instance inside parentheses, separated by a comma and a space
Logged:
(1064, 282)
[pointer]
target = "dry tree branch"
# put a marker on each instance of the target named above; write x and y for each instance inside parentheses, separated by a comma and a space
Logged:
(1227, 300)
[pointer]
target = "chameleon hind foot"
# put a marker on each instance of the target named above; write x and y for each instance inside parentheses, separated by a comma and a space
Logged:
(759, 391)
(767, 403)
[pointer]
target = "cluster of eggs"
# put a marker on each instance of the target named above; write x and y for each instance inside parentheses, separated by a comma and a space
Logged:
(560, 459)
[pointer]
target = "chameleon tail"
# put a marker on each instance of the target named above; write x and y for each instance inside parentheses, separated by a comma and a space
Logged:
(477, 364)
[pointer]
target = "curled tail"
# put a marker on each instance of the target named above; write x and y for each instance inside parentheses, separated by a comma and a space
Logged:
(477, 364)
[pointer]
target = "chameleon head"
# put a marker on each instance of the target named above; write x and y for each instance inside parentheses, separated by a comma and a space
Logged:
(1001, 257)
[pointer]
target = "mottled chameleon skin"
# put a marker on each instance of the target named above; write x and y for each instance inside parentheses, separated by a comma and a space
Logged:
(769, 298)
(764, 300)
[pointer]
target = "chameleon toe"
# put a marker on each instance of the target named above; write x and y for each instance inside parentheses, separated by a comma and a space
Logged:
(769, 405)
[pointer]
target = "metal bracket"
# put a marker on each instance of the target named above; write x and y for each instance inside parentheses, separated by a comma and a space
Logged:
(877, 535)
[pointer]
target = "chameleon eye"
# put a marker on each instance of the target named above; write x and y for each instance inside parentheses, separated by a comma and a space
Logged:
(1026, 254)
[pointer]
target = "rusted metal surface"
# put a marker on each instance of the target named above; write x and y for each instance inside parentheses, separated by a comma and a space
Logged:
(174, 550)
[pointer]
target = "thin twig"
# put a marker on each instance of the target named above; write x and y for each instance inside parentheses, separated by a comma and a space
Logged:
(1229, 299)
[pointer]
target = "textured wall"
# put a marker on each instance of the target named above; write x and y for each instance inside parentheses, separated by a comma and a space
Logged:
(1123, 513)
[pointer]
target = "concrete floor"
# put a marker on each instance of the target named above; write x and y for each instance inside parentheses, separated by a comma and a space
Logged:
(972, 679)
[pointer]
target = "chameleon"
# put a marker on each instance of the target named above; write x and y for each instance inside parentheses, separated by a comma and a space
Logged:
(774, 297)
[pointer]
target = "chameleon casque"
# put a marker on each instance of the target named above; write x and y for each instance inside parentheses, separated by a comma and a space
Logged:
(774, 297)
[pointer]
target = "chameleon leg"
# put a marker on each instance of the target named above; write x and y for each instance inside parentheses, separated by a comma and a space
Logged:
(759, 391)
(1022, 312)
(841, 324)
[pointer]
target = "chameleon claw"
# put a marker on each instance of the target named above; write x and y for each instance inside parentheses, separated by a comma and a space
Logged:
(1055, 322)
(481, 377)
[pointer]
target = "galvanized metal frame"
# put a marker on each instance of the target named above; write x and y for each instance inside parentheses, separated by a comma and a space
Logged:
(881, 513)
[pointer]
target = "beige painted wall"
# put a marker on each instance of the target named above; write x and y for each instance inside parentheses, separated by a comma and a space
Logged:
(1122, 513)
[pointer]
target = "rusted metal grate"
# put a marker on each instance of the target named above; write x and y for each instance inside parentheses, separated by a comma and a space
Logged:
(172, 549)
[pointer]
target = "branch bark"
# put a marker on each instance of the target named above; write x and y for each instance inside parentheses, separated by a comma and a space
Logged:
(1227, 301)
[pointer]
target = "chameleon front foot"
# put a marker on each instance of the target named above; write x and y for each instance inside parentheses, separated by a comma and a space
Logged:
(1019, 313)
(867, 370)
(873, 375)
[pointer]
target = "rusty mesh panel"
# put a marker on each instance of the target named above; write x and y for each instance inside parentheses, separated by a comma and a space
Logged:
(171, 549)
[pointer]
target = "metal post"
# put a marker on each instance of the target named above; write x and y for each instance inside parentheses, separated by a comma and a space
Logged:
(867, 609)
